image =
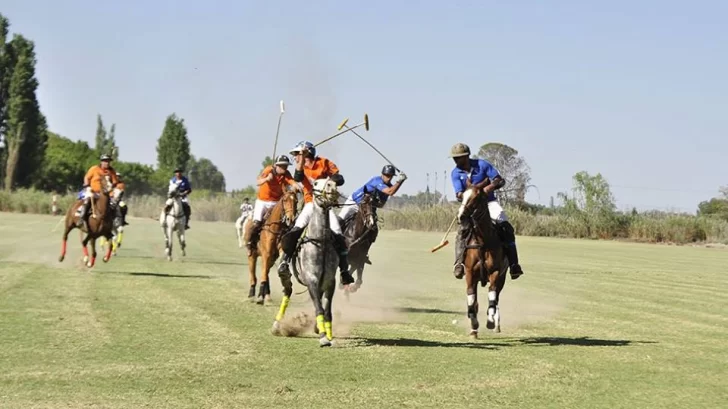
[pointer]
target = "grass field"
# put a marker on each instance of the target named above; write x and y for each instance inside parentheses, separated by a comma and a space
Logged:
(590, 325)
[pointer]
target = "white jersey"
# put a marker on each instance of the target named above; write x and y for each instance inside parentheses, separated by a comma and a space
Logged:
(246, 209)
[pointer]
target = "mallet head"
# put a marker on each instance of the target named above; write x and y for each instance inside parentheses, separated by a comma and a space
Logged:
(366, 122)
(342, 124)
(283, 107)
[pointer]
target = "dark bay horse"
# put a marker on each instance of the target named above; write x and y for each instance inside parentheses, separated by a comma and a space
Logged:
(279, 219)
(485, 259)
(100, 224)
(360, 232)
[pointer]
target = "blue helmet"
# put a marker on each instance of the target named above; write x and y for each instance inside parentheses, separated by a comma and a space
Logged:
(301, 144)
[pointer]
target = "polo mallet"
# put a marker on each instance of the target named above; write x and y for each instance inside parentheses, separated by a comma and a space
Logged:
(365, 123)
(444, 241)
(278, 129)
(343, 124)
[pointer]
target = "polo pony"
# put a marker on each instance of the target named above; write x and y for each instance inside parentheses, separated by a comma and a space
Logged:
(100, 224)
(280, 217)
(485, 259)
(173, 221)
(360, 232)
(315, 263)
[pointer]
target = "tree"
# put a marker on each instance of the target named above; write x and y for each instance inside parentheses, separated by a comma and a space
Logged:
(65, 164)
(105, 141)
(26, 127)
(173, 146)
(138, 178)
(268, 161)
(591, 201)
(203, 174)
(512, 167)
(5, 72)
(724, 192)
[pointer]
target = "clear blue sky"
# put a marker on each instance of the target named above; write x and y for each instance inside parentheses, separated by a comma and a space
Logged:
(636, 90)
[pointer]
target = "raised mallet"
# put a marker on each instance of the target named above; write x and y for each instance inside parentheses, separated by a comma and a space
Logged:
(278, 129)
(365, 123)
(343, 124)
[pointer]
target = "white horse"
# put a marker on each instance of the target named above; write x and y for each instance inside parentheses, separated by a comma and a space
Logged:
(316, 262)
(241, 226)
(174, 220)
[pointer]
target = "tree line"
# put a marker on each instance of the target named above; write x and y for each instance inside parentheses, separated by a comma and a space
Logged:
(32, 156)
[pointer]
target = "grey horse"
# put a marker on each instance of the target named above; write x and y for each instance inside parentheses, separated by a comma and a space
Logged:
(316, 263)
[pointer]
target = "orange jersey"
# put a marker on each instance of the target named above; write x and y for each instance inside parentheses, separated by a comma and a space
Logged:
(272, 191)
(320, 169)
(96, 177)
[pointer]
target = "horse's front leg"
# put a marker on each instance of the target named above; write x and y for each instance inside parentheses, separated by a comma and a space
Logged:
(168, 234)
(496, 282)
(109, 247)
(471, 284)
(328, 301)
(182, 240)
(92, 262)
(315, 292)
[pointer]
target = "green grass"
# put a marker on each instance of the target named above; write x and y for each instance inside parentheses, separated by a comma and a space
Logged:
(591, 324)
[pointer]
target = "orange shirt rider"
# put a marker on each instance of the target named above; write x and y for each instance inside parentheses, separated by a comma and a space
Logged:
(272, 189)
(96, 176)
(315, 167)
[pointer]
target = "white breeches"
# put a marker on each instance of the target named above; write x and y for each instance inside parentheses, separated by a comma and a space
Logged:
(350, 207)
(305, 216)
(495, 209)
(261, 207)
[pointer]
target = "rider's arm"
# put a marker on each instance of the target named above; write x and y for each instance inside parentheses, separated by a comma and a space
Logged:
(391, 190)
(493, 178)
(457, 184)
(333, 170)
(265, 176)
(88, 177)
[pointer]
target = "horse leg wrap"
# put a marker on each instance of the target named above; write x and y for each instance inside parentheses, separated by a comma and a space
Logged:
(284, 306)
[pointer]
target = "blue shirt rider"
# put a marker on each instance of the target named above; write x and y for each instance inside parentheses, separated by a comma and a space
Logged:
(381, 187)
(475, 171)
(185, 189)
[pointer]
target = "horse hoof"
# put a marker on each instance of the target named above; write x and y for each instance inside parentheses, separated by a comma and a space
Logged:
(497, 329)
(324, 342)
(61, 258)
(106, 259)
(260, 301)
(474, 334)
(85, 259)
(276, 329)
(315, 329)
(490, 324)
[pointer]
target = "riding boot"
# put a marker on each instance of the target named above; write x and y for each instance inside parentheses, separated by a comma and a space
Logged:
(254, 234)
(460, 244)
(124, 210)
(84, 214)
(188, 212)
(340, 246)
(509, 246)
(288, 244)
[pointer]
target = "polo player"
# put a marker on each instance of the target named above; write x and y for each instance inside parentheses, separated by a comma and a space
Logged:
(93, 183)
(475, 171)
(185, 189)
(270, 181)
(246, 209)
(117, 196)
(381, 188)
(310, 167)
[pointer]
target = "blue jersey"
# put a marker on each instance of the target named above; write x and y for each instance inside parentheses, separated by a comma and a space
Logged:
(479, 169)
(375, 186)
(184, 186)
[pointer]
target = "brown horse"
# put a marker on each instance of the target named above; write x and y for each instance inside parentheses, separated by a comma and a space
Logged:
(281, 216)
(360, 232)
(485, 260)
(100, 224)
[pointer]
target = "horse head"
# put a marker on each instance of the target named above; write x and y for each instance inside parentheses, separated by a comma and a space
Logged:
(325, 193)
(475, 204)
(173, 190)
(367, 208)
(290, 202)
